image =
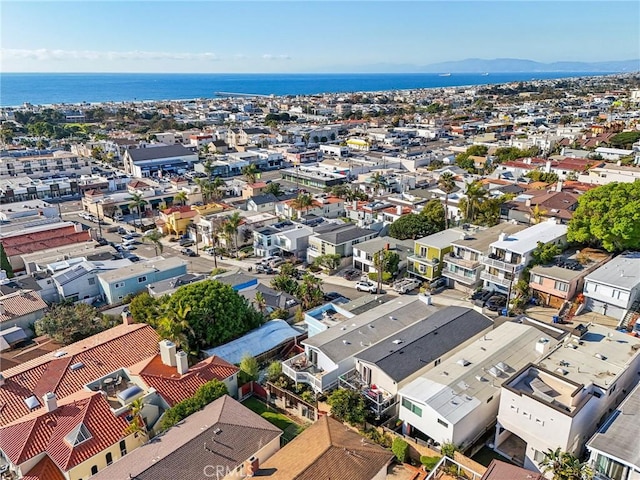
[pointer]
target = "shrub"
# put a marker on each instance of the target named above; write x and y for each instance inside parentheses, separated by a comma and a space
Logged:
(279, 313)
(205, 394)
(429, 462)
(400, 449)
(449, 449)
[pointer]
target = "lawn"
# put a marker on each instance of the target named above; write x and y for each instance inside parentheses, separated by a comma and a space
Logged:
(290, 428)
(485, 455)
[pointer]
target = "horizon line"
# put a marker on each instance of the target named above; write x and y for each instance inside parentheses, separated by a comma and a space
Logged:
(321, 73)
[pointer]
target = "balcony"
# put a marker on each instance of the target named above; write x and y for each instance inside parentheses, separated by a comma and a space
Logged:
(460, 278)
(500, 264)
(378, 399)
(423, 260)
(495, 279)
(301, 370)
(456, 260)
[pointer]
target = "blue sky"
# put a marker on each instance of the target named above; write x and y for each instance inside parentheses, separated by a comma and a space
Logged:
(306, 36)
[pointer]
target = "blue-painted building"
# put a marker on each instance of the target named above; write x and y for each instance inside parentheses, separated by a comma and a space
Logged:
(328, 315)
(117, 284)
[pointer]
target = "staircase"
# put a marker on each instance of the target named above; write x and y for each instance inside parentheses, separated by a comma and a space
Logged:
(632, 314)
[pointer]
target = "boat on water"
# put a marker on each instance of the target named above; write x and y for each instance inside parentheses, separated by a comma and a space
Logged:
(485, 74)
(445, 74)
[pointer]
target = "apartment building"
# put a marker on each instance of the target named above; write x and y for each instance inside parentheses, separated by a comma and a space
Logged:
(337, 239)
(147, 162)
(59, 162)
(428, 253)
(462, 265)
(571, 391)
(508, 256)
(364, 253)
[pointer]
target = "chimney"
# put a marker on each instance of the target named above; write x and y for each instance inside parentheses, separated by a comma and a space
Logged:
(387, 246)
(355, 204)
(542, 345)
(502, 236)
(547, 167)
(50, 401)
(127, 318)
(399, 210)
(2, 309)
(168, 353)
(251, 466)
(183, 363)
(559, 186)
(527, 202)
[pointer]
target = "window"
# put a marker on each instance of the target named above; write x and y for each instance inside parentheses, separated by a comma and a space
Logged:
(444, 424)
(142, 279)
(118, 285)
(94, 470)
(537, 279)
(561, 286)
(412, 407)
(109, 458)
(92, 281)
(123, 447)
(538, 456)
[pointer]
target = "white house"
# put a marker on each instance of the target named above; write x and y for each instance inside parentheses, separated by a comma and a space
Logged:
(613, 288)
(511, 253)
(614, 450)
(562, 400)
(457, 401)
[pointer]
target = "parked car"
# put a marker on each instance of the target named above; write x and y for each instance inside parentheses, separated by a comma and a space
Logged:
(186, 242)
(438, 284)
(102, 241)
(366, 287)
(496, 302)
(128, 247)
(122, 231)
(331, 296)
(482, 297)
(351, 274)
(265, 269)
(406, 285)
(188, 252)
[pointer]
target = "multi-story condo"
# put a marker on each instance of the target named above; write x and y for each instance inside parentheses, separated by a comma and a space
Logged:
(34, 166)
(563, 399)
(429, 252)
(614, 449)
(512, 252)
(462, 265)
(337, 239)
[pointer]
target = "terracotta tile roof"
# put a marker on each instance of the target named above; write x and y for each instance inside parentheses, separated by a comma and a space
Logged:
(258, 185)
(174, 387)
(179, 208)
(45, 469)
(43, 431)
(137, 184)
(101, 354)
(19, 304)
(327, 449)
(54, 237)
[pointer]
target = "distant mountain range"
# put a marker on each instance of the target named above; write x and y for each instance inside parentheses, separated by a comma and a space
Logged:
(508, 65)
(497, 65)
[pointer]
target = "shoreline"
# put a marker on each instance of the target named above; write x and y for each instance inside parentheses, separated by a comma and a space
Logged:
(573, 77)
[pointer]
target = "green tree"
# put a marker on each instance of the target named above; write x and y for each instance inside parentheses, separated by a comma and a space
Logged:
(260, 301)
(249, 368)
(302, 202)
(274, 371)
(330, 261)
(430, 220)
(625, 139)
(137, 424)
(400, 449)
(475, 195)
(67, 323)
(310, 291)
(449, 449)
(4, 262)
(154, 238)
(347, 406)
(378, 182)
(564, 466)
(545, 253)
(181, 197)
(385, 262)
(447, 185)
(274, 188)
(137, 202)
(608, 215)
(433, 214)
(250, 173)
(230, 228)
(285, 283)
(145, 309)
(205, 394)
(174, 325)
(218, 313)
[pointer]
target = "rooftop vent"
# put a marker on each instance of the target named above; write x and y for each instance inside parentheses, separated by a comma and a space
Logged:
(494, 372)
(32, 402)
(600, 356)
(397, 341)
(503, 367)
(480, 378)
(562, 371)
(59, 354)
(463, 362)
(76, 366)
(346, 342)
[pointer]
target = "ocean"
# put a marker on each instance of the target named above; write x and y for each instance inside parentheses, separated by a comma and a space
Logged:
(56, 88)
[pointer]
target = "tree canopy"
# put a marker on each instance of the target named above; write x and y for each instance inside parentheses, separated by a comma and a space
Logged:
(4, 262)
(217, 314)
(625, 139)
(347, 406)
(430, 220)
(67, 323)
(608, 215)
(205, 394)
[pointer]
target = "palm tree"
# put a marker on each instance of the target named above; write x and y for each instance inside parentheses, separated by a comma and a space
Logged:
(378, 181)
(137, 202)
(154, 238)
(250, 173)
(274, 188)
(310, 291)
(302, 202)
(216, 190)
(536, 214)
(137, 425)
(565, 466)
(230, 228)
(475, 193)
(447, 185)
(206, 189)
(174, 325)
(181, 197)
(380, 260)
(261, 302)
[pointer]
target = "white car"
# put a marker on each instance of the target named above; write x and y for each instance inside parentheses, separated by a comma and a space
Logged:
(366, 287)
(128, 247)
